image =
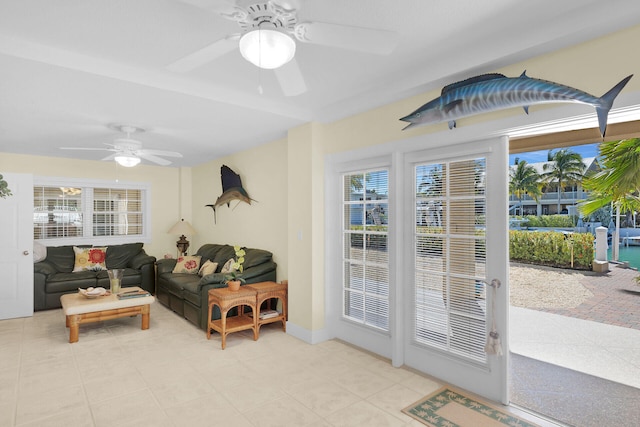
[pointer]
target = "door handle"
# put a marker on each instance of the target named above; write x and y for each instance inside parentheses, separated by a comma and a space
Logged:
(25, 253)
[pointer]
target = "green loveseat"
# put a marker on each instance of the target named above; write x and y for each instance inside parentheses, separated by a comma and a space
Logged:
(187, 294)
(54, 276)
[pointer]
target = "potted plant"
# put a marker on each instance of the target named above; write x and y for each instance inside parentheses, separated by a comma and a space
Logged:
(4, 188)
(233, 278)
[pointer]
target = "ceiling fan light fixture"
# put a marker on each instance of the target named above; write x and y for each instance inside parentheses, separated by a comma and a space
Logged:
(267, 49)
(127, 161)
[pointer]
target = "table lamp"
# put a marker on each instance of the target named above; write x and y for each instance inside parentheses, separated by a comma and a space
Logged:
(181, 228)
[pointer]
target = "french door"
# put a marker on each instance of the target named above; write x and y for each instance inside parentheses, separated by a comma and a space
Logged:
(455, 245)
(412, 239)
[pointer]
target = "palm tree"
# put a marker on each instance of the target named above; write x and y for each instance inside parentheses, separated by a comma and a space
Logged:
(565, 167)
(618, 181)
(524, 180)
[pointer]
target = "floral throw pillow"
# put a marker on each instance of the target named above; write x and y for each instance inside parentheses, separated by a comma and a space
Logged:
(89, 259)
(187, 264)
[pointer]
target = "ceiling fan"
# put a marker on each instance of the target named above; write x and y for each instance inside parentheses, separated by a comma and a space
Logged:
(128, 152)
(262, 22)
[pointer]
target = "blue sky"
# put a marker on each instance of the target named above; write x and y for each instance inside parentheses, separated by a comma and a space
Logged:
(587, 150)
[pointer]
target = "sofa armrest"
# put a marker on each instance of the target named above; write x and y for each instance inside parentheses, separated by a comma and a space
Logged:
(258, 270)
(165, 265)
(141, 259)
(45, 268)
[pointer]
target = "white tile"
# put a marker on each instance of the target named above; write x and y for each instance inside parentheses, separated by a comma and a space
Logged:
(282, 412)
(42, 405)
(324, 397)
(394, 399)
(364, 413)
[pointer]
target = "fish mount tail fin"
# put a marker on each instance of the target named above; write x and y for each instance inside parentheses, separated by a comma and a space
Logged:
(214, 212)
(606, 102)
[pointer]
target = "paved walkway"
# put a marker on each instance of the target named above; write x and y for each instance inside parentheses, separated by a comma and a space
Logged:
(615, 301)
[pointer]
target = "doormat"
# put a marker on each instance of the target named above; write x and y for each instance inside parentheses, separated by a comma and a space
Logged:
(449, 408)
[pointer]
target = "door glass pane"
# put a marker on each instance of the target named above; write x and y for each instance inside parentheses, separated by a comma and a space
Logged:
(365, 254)
(450, 206)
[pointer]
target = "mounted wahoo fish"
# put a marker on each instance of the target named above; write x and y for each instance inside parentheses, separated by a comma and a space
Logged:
(491, 92)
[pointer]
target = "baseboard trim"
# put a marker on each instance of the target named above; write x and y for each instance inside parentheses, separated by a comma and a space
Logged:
(311, 337)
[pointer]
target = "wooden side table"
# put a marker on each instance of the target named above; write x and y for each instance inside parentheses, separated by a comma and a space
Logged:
(226, 300)
(266, 291)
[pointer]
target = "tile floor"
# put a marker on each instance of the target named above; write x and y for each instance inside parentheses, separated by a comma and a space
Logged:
(170, 375)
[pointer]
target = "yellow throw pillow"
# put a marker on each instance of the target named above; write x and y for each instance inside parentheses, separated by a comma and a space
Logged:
(208, 267)
(228, 266)
(187, 264)
(89, 259)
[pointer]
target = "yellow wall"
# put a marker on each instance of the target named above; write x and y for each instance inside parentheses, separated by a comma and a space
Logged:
(163, 180)
(263, 224)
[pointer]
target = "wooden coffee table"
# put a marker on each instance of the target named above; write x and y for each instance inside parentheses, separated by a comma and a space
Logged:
(226, 300)
(78, 309)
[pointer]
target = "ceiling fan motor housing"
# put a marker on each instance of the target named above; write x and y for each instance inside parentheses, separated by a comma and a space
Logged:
(266, 15)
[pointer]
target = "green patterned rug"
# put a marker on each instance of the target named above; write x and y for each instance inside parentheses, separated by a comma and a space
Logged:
(448, 408)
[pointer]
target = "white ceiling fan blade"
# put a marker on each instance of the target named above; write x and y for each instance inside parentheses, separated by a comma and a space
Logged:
(218, 6)
(207, 54)
(380, 42)
(154, 159)
(87, 149)
(159, 153)
(287, 4)
(110, 156)
(290, 78)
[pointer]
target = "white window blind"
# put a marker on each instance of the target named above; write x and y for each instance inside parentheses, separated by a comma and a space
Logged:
(450, 206)
(117, 212)
(366, 256)
(69, 210)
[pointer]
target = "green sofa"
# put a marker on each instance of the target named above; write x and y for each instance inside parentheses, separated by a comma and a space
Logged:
(187, 294)
(54, 276)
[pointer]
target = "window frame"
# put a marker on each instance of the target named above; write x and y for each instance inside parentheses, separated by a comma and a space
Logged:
(88, 185)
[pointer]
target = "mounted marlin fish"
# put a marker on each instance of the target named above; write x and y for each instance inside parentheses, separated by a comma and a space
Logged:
(491, 92)
(232, 189)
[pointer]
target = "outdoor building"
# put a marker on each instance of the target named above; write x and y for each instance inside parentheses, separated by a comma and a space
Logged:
(547, 203)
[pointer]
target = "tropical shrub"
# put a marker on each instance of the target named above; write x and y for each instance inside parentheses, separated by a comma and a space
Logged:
(552, 248)
(558, 221)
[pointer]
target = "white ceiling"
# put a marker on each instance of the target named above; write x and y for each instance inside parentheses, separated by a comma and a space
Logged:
(69, 68)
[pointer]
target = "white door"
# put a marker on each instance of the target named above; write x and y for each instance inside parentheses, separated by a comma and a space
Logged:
(359, 310)
(16, 237)
(456, 241)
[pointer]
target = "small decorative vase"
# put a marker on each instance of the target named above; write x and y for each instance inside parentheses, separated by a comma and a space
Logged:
(115, 280)
(233, 285)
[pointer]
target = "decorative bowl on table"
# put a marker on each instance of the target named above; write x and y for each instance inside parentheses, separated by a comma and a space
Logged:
(92, 292)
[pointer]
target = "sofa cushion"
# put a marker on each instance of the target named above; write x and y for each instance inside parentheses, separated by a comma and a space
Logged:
(187, 264)
(61, 258)
(118, 256)
(209, 251)
(65, 282)
(223, 255)
(255, 257)
(178, 281)
(89, 259)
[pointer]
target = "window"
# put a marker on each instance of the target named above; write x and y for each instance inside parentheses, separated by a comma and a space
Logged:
(366, 255)
(67, 210)
(450, 255)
